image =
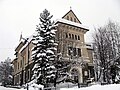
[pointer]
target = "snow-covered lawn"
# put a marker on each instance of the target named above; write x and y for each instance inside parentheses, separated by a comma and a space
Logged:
(4, 88)
(97, 87)
(94, 87)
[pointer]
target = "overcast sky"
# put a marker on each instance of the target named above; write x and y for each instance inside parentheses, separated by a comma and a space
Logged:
(18, 16)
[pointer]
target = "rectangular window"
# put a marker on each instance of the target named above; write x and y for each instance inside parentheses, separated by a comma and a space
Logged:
(15, 67)
(24, 77)
(79, 52)
(18, 65)
(69, 50)
(15, 80)
(74, 52)
(19, 77)
(66, 35)
(28, 74)
(21, 64)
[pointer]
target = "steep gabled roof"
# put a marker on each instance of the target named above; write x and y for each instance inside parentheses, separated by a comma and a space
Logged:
(74, 16)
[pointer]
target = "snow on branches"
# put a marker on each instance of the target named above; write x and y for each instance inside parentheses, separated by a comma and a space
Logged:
(43, 52)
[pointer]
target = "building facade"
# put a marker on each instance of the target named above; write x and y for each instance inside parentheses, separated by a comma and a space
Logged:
(71, 48)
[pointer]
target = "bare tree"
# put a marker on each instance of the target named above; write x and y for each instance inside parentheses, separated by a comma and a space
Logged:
(106, 49)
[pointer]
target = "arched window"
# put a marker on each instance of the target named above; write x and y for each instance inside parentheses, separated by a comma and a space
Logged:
(74, 19)
(71, 19)
(66, 35)
(75, 37)
(67, 17)
(72, 36)
(78, 37)
(69, 35)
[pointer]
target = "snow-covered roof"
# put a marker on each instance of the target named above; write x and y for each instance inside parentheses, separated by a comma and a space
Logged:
(89, 45)
(57, 21)
(28, 41)
(18, 43)
(72, 23)
(23, 40)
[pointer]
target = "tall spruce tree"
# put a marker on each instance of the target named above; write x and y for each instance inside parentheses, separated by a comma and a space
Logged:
(43, 52)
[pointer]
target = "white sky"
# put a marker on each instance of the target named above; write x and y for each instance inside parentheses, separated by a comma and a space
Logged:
(18, 16)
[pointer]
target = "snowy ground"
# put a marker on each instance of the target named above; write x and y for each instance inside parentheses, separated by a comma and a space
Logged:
(97, 87)
(4, 88)
(94, 87)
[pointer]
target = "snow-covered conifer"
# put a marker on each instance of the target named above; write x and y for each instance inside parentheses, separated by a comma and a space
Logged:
(6, 71)
(43, 52)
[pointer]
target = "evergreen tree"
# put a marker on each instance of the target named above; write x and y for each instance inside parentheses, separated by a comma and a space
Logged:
(6, 71)
(43, 52)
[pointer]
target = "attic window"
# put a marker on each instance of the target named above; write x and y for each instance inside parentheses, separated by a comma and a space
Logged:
(67, 17)
(74, 19)
(71, 19)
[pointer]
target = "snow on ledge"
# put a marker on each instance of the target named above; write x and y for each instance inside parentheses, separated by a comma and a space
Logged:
(72, 23)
